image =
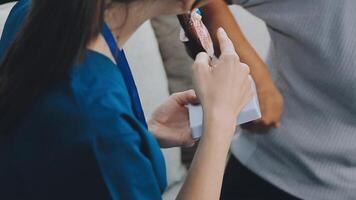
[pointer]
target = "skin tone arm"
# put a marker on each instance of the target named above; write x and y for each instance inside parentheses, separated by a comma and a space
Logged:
(223, 90)
(206, 173)
(216, 14)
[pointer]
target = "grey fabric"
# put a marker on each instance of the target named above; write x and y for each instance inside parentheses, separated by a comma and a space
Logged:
(313, 60)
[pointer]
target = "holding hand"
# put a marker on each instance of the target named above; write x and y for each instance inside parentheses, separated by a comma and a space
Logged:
(271, 104)
(170, 122)
(224, 87)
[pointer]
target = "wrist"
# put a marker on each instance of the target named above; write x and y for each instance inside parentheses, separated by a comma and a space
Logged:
(218, 114)
(219, 123)
(265, 87)
(261, 75)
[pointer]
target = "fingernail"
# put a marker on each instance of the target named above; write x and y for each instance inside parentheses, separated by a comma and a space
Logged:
(222, 31)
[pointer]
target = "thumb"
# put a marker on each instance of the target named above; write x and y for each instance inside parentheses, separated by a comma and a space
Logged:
(186, 97)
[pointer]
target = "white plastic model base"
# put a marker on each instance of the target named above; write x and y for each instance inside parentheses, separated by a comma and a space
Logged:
(249, 113)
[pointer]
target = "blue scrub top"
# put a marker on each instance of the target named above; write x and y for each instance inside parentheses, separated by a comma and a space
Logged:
(81, 139)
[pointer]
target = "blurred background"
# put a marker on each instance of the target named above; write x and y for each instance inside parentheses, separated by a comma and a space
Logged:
(164, 68)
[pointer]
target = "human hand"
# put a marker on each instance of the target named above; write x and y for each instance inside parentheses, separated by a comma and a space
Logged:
(170, 122)
(225, 86)
(271, 104)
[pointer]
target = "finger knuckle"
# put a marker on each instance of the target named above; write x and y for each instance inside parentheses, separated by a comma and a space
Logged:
(230, 55)
(176, 94)
(191, 91)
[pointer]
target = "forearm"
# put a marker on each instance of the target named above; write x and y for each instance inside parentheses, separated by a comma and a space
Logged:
(217, 14)
(205, 176)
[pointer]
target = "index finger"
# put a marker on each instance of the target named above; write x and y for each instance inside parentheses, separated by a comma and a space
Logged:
(202, 59)
(186, 97)
(226, 45)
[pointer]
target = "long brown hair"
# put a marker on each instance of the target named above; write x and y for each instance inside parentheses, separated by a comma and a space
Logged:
(52, 39)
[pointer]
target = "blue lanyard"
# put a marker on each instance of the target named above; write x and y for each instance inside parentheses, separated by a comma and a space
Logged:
(124, 68)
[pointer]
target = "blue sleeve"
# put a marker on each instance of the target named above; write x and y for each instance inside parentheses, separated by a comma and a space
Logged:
(119, 141)
(13, 24)
(127, 172)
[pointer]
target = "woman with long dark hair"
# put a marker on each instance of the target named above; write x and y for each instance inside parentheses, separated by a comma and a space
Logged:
(71, 122)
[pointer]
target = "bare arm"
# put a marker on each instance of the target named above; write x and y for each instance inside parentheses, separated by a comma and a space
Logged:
(206, 173)
(223, 91)
(217, 14)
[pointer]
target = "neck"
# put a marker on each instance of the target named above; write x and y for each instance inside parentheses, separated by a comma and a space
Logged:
(99, 45)
(123, 20)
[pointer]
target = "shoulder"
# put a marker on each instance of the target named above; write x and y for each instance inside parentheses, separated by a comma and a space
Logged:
(97, 72)
(97, 82)
(94, 100)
